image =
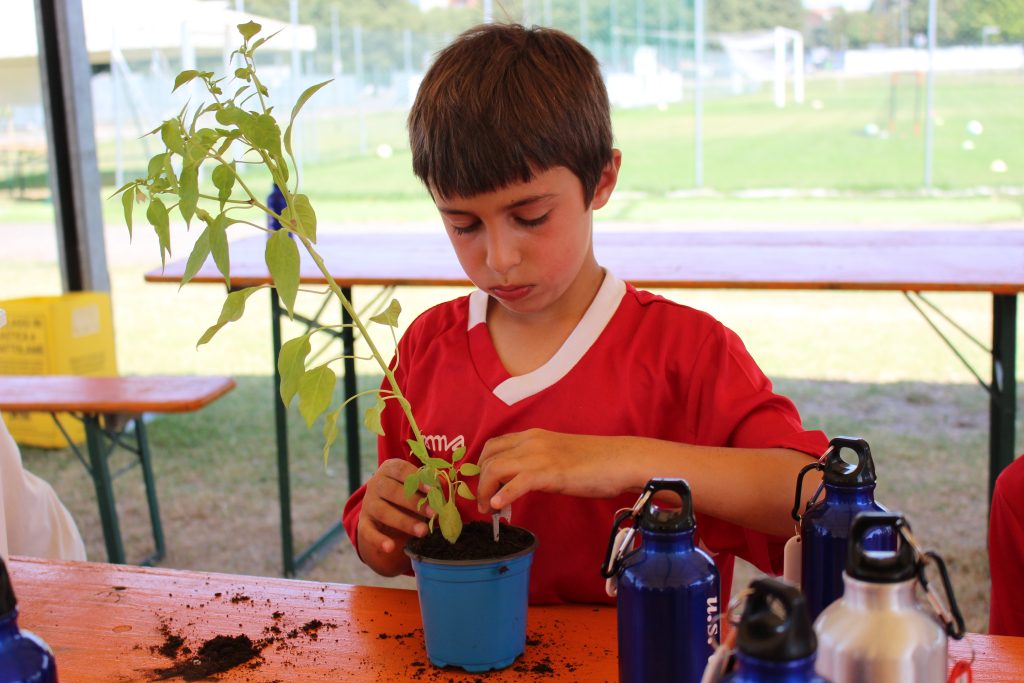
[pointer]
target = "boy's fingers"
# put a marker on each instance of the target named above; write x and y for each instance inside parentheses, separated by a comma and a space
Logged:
(384, 514)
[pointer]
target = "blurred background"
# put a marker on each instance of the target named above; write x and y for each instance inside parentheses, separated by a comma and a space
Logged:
(731, 114)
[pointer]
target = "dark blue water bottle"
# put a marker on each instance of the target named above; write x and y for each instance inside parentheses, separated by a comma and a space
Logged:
(668, 597)
(825, 527)
(24, 658)
(775, 642)
(276, 203)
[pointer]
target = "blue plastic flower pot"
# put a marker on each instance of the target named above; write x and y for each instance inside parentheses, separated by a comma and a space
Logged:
(474, 611)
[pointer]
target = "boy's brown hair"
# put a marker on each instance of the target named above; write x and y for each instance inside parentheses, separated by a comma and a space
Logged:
(503, 102)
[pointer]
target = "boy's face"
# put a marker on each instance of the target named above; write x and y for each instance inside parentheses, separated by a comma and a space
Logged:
(529, 244)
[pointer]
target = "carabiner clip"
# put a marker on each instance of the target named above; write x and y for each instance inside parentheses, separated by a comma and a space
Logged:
(621, 539)
(945, 606)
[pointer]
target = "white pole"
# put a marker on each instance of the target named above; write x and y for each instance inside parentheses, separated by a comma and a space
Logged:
(780, 67)
(547, 12)
(357, 39)
(335, 50)
(584, 23)
(798, 67)
(930, 101)
(698, 93)
(488, 11)
(296, 81)
(115, 98)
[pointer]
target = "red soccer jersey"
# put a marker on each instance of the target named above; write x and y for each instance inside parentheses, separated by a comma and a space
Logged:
(636, 364)
(1006, 552)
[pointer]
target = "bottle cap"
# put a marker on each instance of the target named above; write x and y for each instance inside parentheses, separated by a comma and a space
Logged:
(879, 566)
(838, 472)
(7, 599)
(666, 519)
(766, 634)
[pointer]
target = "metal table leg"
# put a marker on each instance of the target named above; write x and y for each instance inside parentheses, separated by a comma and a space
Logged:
(102, 480)
(1003, 401)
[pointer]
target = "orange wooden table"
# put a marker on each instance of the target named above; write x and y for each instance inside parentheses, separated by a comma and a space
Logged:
(108, 623)
(910, 261)
(108, 406)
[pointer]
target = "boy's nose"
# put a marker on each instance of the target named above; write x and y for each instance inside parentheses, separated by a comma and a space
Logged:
(502, 250)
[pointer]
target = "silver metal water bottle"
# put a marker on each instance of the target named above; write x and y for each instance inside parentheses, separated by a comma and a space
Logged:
(878, 632)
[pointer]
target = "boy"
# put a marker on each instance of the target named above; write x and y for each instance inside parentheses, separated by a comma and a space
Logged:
(570, 388)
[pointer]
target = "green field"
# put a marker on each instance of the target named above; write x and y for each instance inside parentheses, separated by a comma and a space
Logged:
(749, 146)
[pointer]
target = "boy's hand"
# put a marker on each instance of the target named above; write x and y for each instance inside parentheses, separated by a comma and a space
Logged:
(388, 519)
(539, 460)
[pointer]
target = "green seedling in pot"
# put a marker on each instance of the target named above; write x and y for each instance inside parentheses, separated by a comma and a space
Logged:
(245, 122)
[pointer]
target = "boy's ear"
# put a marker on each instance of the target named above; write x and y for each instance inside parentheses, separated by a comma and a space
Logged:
(606, 183)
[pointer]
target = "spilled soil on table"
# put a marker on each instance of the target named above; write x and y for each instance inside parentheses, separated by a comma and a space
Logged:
(200, 661)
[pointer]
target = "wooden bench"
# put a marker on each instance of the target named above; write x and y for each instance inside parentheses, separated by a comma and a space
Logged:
(109, 407)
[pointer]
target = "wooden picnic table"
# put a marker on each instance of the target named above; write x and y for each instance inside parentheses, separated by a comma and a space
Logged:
(965, 259)
(109, 407)
(108, 623)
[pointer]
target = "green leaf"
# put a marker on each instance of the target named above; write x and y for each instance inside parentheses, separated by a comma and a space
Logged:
(263, 40)
(458, 454)
(469, 469)
(233, 308)
(411, 484)
(428, 477)
(128, 202)
(439, 463)
(389, 316)
(249, 29)
(331, 431)
(244, 73)
(231, 115)
(316, 388)
(291, 364)
(224, 180)
(371, 418)
(157, 216)
(435, 499)
(303, 98)
(170, 133)
(184, 77)
(263, 132)
(157, 165)
(188, 192)
(419, 450)
(463, 490)
(450, 521)
(300, 217)
(219, 245)
(282, 256)
(200, 252)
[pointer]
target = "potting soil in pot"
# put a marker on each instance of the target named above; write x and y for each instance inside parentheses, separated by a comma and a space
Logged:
(475, 543)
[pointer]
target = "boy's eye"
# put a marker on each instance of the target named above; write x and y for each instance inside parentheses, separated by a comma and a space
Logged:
(465, 229)
(532, 222)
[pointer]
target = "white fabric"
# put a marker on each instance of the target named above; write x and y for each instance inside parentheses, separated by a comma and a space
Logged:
(601, 310)
(33, 521)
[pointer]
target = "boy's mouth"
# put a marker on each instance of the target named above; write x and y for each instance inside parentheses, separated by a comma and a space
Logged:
(510, 293)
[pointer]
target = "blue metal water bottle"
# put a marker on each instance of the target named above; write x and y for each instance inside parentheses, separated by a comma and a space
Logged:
(825, 526)
(775, 642)
(668, 592)
(24, 658)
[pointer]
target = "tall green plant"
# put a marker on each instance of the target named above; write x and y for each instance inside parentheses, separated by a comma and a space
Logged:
(249, 133)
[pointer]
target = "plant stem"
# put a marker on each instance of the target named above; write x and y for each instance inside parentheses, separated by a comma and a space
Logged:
(347, 305)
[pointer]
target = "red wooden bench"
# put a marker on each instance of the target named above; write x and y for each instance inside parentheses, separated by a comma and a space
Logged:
(110, 407)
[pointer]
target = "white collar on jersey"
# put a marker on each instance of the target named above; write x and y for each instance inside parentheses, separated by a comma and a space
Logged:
(589, 328)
